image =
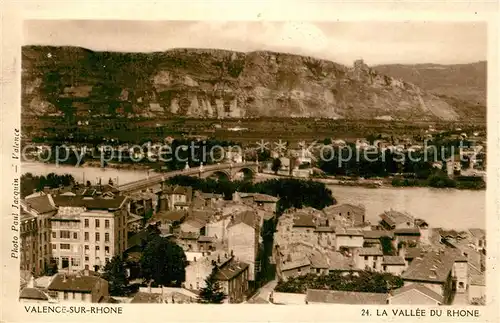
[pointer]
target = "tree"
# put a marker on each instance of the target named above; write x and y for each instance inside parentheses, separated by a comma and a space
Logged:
(387, 247)
(212, 292)
(50, 269)
(163, 263)
(115, 274)
(276, 165)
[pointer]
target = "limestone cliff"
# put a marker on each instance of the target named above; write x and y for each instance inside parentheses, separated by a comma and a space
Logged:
(216, 84)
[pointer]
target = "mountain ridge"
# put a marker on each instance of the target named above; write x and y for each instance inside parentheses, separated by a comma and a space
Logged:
(213, 83)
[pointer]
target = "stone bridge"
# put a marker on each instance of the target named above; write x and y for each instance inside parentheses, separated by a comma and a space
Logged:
(228, 171)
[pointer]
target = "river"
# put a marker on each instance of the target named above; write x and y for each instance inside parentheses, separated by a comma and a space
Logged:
(447, 208)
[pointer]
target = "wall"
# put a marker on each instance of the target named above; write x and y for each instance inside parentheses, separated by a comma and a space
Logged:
(196, 273)
(412, 297)
(326, 239)
(476, 291)
(349, 212)
(286, 274)
(243, 240)
(288, 298)
(349, 241)
(461, 272)
(362, 262)
(396, 270)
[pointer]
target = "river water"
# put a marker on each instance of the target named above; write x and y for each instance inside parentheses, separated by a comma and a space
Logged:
(447, 208)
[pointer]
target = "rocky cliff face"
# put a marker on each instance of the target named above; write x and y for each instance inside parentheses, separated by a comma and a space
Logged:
(216, 84)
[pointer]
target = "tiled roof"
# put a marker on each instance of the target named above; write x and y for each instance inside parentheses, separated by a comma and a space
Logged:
(258, 197)
(205, 239)
(433, 266)
(477, 233)
(303, 220)
(340, 297)
(335, 207)
(478, 280)
(338, 261)
(393, 260)
(230, 270)
(318, 261)
(394, 217)
(33, 294)
(73, 283)
(93, 203)
(377, 234)
(188, 235)
(146, 298)
(412, 253)
(370, 252)
(195, 223)
(169, 216)
(421, 288)
(247, 217)
(296, 264)
(348, 232)
(324, 229)
(407, 231)
(41, 204)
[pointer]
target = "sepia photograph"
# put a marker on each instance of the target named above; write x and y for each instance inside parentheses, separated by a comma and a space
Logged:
(279, 163)
(160, 162)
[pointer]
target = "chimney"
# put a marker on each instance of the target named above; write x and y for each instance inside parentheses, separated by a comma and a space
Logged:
(31, 283)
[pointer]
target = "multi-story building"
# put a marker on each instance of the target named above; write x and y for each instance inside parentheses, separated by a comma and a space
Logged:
(243, 240)
(233, 277)
(88, 232)
(369, 259)
(35, 232)
(354, 214)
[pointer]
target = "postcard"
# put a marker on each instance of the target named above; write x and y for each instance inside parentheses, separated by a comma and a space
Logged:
(209, 163)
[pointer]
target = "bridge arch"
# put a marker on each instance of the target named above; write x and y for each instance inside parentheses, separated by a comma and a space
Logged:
(244, 173)
(217, 174)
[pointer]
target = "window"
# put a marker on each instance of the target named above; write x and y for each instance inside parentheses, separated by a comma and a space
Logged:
(86, 259)
(197, 285)
(64, 234)
(106, 237)
(318, 270)
(106, 259)
(106, 249)
(97, 248)
(75, 262)
(75, 235)
(86, 268)
(64, 246)
(97, 224)
(366, 257)
(385, 268)
(106, 224)
(348, 213)
(54, 234)
(65, 295)
(45, 236)
(374, 258)
(86, 236)
(461, 285)
(87, 247)
(299, 270)
(97, 236)
(86, 223)
(54, 246)
(74, 295)
(374, 265)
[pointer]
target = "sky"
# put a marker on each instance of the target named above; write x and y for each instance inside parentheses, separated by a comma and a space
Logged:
(343, 42)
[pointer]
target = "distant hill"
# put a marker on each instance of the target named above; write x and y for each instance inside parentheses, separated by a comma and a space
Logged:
(212, 83)
(467, 82)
